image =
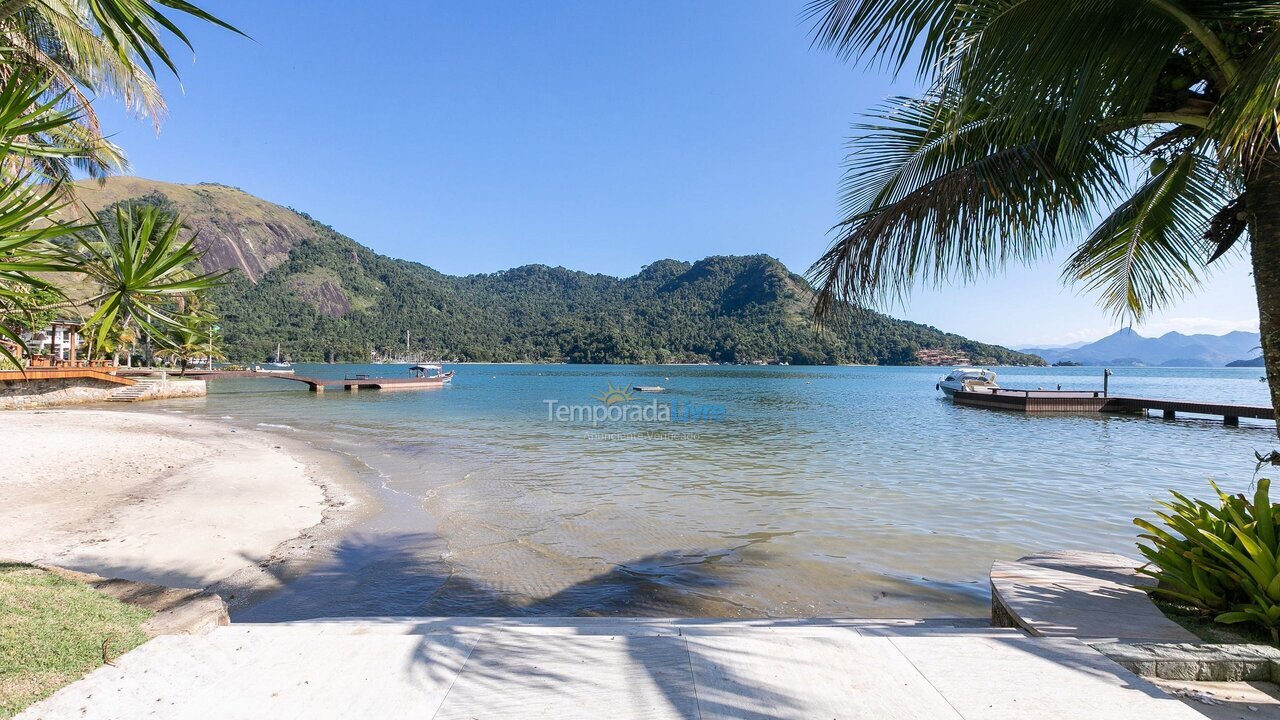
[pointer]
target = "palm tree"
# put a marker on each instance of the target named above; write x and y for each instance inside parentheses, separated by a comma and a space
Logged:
(143, 271)
(49, 65)
(81, 49)
(1041, 115)
(193, 336)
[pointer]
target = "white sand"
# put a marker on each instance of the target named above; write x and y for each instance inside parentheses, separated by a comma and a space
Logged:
(161, 498)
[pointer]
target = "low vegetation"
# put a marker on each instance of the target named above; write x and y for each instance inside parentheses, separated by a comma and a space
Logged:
(1220, 558)
(54, 630)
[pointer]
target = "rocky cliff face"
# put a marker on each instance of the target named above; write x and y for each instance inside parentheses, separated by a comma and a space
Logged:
(233, 228)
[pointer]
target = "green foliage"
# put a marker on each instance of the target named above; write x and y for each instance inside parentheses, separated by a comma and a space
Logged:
(51, 52)
(142, 270)
(191, 337)
(333, 299)
(1034, 114)
(1221, 557)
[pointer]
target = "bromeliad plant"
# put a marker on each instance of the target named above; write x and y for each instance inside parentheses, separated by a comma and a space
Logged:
(1222, 558)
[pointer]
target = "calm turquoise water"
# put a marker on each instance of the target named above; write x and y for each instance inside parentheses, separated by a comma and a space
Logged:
(786, 491)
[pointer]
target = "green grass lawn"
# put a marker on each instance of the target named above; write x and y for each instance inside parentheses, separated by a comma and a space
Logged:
(52, 632)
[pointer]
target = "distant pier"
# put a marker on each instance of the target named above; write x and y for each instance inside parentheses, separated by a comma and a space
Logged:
(1075, 401)
(315, 384)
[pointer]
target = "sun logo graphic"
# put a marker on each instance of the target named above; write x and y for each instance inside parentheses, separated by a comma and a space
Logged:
(613, 395)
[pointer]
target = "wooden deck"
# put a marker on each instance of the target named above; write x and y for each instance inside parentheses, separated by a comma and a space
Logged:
(103, 374)
(316, 384)
(1068, 401)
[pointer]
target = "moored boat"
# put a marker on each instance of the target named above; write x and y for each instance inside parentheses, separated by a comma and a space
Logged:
(274, 368)
(968, 379)
(430, 373)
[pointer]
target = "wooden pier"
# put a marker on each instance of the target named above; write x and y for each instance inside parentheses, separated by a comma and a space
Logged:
(315, 384)
(106, 375)
(1073, 401)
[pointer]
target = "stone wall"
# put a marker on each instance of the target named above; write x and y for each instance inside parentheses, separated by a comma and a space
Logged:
(174, 388)
(58, 392)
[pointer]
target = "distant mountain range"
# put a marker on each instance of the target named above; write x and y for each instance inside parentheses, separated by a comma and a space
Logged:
(323, 296)
(1127, 348)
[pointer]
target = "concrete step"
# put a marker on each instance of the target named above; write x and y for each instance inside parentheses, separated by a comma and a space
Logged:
(132, 393)
(747, 669)
(618, 626)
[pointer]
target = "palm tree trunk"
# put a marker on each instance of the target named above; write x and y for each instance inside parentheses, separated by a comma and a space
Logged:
(1264, 236)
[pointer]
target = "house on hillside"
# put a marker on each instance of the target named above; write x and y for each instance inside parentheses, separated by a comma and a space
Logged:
(941, 357)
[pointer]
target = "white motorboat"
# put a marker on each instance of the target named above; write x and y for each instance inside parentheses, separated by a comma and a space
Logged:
(431, 373)
(968, 379)
(274, 368)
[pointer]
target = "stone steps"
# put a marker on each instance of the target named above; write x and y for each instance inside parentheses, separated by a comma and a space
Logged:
(133, 393)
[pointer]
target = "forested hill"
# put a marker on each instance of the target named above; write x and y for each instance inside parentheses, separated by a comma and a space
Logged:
(323, 296)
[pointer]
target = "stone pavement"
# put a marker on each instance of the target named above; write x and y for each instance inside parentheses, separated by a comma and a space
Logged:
(1086, 595)
(565, 668)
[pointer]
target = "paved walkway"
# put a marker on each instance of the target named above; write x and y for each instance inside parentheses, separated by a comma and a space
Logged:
(1085, 595)
(611, 668)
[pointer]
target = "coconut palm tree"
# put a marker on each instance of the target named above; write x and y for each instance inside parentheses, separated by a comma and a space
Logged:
(81, 49)
(192, 337)
(1039, 116)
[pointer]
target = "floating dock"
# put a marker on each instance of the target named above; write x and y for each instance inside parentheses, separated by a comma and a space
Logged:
(316, 384)
(1074, 401)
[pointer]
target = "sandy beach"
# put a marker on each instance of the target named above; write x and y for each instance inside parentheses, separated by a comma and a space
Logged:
(165, 498)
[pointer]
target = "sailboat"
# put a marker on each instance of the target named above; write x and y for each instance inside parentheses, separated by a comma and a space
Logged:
(277, 367)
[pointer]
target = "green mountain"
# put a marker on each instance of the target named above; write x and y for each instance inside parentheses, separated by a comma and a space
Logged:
(323, 296)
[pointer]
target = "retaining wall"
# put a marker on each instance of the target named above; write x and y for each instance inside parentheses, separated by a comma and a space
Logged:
(58, 392)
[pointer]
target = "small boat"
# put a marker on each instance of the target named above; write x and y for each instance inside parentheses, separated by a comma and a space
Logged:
(967, 379)
(648, 388)
(431, 373)
(277, 366)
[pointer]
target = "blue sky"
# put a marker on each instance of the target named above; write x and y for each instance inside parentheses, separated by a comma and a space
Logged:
(474, 137)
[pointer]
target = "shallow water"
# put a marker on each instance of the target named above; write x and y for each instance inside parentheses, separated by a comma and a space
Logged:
(785, 491)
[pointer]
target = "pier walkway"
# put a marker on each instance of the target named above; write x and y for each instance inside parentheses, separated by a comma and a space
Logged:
(617, 668)
(1072, 401)
(315, 384)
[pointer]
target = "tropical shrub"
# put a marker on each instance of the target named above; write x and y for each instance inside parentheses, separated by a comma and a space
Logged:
(1222, 558)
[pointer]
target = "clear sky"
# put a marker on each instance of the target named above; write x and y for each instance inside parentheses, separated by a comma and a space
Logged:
(601, 136)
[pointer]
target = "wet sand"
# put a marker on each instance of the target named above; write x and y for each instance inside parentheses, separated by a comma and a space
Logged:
(167, 498)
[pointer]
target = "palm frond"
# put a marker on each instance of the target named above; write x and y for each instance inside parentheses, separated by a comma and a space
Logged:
(888, 29)
(1149, 251)
(134, 27)
(1247, 121)
(932, 195)
(1226, 228)
(94, 61)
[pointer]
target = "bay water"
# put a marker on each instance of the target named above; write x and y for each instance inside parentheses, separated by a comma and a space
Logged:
(739, 491)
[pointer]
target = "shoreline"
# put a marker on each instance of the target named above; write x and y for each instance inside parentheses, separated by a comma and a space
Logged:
(168, 498)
